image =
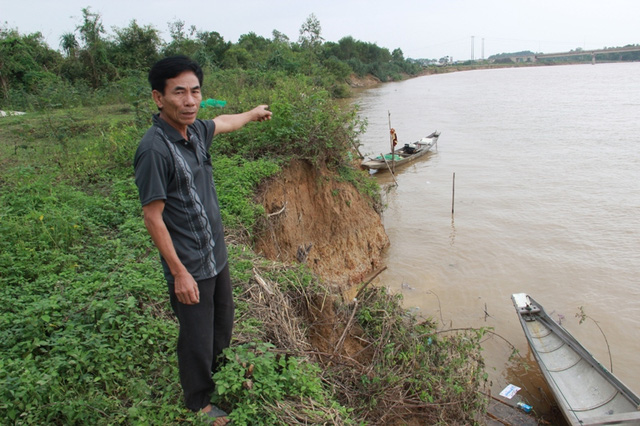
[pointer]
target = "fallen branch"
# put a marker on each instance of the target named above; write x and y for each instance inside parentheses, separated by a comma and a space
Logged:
(364, 286)
(347, 327)
(279, 211)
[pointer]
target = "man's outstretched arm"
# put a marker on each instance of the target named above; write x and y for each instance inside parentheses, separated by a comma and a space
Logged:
(230, 122)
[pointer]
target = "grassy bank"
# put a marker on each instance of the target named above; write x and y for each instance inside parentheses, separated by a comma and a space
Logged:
(86, 331)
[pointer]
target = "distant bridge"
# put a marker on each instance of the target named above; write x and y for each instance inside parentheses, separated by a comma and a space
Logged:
(593, 53)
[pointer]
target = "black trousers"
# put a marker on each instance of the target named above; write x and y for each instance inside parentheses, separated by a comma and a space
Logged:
(205, 330)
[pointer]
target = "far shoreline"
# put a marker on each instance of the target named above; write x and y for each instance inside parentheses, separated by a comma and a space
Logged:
(369, 81)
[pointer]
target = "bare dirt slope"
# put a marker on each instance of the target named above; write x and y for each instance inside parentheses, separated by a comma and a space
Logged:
(328, 224)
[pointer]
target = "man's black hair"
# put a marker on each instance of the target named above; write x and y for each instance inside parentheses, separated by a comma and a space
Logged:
(171, 67)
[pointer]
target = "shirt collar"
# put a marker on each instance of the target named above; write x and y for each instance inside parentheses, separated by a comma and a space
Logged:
(173, 134)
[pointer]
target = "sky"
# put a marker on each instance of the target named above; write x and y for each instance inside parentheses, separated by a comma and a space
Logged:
(461, 29)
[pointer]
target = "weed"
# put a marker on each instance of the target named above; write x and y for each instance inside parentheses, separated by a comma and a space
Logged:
(255, 378)
(236, 180)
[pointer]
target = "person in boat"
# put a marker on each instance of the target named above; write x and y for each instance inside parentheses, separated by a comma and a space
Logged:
(173, 172)
(394, 138)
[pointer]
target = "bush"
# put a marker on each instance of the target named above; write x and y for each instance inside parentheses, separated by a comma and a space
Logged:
(307, 123)
(255, 379)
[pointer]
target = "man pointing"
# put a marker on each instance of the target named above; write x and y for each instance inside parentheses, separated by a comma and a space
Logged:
(173, 172)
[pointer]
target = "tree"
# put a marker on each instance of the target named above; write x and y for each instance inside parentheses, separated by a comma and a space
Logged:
(182, 41)
(24, 58)
(253, 42)
(343, 50)
(256, 46)
(279, 37)
(69, 44)
(397, 55)
(310, 33)
(94, 54)
(236, 57)
(212, 48)
(135, 47)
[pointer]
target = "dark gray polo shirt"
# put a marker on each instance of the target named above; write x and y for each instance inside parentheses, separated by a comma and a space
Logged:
(169, 168)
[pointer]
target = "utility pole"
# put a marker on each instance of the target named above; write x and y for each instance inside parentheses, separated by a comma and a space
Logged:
(472, 45)
(483, 48)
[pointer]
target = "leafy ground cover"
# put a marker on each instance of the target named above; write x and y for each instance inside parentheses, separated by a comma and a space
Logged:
(86, 331)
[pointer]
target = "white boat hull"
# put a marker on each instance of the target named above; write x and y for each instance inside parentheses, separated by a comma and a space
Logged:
(586, 392)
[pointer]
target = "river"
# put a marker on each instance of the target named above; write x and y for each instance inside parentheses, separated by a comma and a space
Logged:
(547, 202)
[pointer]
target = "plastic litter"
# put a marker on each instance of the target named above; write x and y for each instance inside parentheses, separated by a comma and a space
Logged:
(524, 407)
(214, 103)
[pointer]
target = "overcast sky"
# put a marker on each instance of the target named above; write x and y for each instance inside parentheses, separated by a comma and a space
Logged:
(421, 28)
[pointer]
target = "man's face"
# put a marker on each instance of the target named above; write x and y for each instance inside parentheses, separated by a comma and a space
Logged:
(180, 101)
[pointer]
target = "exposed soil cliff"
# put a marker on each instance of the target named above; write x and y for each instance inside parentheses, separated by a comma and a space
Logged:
(315, 219)
(365, 82)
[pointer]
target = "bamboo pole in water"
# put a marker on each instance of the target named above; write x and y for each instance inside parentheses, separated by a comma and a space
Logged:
(390, 170)
(393, 146)
(453, 193)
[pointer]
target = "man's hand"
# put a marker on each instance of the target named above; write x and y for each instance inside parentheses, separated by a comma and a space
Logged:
(231, 122)
(186, 289)
(262, 113)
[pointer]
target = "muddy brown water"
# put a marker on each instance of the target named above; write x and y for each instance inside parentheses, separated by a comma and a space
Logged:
(547, 202)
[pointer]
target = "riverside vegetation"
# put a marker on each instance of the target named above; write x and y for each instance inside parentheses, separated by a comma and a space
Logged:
(86, 330)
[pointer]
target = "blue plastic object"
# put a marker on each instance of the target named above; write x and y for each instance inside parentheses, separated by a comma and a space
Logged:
(524, 407)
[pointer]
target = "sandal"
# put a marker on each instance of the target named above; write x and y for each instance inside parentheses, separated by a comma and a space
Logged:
(216, 413)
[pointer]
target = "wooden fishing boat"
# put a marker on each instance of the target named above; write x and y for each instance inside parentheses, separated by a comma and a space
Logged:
(586, 392)
(404, 155)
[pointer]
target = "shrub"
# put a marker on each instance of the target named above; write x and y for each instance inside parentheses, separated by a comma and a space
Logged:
(255, 380)
(307, 124)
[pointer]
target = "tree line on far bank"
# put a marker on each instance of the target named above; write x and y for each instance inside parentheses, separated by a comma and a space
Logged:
(91, 60)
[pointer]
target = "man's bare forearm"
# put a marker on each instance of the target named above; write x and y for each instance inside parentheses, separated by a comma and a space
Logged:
(185, 287)
(160, 236)
(231, 122)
